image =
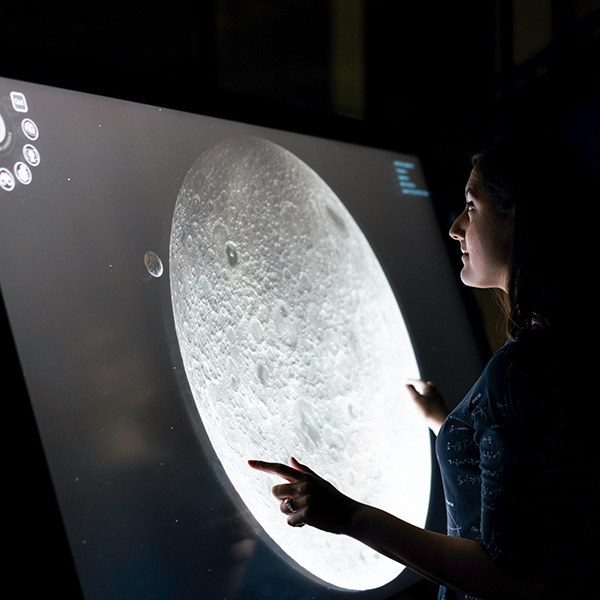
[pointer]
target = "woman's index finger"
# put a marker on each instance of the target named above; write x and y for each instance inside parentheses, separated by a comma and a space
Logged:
(280, 469)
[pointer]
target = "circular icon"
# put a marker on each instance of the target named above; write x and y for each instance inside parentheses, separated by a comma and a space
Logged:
(7, 181)
(23, 173)
(31, 154)
(30, 129)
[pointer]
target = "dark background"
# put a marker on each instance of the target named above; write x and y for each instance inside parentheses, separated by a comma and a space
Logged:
(433, 78)
(437, 78)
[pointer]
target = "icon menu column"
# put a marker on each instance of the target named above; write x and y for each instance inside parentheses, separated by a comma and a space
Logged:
(18, 132)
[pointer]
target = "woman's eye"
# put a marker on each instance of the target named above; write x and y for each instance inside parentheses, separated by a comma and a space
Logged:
(469, 206)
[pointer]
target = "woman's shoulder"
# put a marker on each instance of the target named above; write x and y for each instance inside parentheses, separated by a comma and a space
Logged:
(522, 377)
(528, 353)
(512, 355)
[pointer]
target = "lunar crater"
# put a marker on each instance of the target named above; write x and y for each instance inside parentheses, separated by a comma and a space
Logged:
(232, 254)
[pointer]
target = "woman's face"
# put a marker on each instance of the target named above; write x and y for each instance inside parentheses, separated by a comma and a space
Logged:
(485, 239)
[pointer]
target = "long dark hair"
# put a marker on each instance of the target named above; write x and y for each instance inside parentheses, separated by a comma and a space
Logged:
(553, 193)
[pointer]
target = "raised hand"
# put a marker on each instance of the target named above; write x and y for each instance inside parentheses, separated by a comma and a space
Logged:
(430, 401)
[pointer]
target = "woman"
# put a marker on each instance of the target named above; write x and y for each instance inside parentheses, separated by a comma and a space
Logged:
(520, 477)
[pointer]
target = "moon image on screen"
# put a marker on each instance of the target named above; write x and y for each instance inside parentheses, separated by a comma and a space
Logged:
(293, 344)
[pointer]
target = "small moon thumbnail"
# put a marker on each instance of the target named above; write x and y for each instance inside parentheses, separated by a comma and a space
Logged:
(153, 264)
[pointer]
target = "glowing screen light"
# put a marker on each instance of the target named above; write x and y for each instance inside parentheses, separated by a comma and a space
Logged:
(294, 345)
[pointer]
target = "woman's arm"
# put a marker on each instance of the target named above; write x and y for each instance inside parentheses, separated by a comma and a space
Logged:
(454, 562)
(457, 563)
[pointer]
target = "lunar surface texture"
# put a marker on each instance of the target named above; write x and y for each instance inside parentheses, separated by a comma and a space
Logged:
(294, 345)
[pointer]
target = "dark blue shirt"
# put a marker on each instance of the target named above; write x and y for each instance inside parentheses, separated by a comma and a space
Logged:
(519, 473)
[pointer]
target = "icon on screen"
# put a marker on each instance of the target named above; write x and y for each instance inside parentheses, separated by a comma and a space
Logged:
(19, 102)
(23, 173)
(31, 155)
(7, 181)
(30, 129)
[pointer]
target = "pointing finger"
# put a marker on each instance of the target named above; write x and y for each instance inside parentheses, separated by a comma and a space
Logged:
(284, 471)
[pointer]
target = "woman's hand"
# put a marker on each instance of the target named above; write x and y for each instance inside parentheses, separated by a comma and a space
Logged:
(308, 499)
(430, 401)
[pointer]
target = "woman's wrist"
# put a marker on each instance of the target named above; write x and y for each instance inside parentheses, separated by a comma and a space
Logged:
(352, 517)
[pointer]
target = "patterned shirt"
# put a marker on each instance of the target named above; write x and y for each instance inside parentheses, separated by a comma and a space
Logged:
(519, 473)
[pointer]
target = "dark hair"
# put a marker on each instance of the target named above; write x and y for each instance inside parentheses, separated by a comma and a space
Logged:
(552, 191)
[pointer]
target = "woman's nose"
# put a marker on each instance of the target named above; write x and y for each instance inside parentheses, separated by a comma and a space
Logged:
(457, 231)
